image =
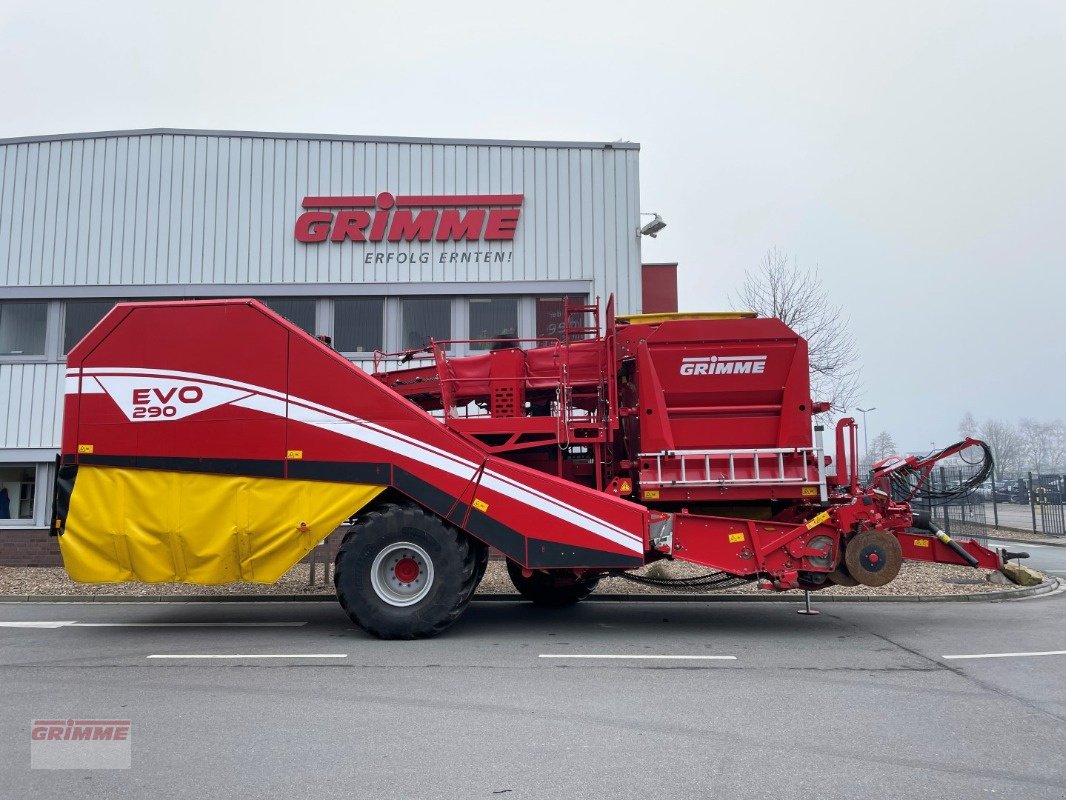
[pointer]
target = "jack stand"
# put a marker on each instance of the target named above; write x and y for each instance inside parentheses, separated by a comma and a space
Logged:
(807, 610)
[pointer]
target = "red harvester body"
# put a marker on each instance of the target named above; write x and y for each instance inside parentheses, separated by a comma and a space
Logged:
(213, 441)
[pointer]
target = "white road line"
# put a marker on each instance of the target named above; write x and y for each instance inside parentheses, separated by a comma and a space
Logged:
(187, 624)
(35, 624)
(1011, 655)
(676, 658)
(73, 624)
(251, 655)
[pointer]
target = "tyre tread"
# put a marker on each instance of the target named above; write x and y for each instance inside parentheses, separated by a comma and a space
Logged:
(361, 604)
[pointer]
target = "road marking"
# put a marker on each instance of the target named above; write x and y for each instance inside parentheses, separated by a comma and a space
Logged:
(676, 658)
(251, 655)
(187, 624)
(35, 624)
(1011, 655)
(73, 624)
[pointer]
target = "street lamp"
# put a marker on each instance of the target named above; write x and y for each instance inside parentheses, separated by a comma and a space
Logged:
(865, 435)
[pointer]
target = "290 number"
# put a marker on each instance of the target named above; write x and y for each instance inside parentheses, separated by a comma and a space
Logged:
(146, 412)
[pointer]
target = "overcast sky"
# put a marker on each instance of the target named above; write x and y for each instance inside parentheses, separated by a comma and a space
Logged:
(914, 151)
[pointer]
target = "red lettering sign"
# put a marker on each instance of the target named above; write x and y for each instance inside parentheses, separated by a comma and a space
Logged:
(409, 228)
(313, 226)
(410, 218)
(349, 225)
(502, 224)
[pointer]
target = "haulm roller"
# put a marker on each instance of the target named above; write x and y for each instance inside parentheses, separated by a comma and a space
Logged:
(214, 442)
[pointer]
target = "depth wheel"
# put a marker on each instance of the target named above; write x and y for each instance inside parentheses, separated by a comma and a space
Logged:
(402, 573)
(841, 577)
(874, 557)
(554, 589)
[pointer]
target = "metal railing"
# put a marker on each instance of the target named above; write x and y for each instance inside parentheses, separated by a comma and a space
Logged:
(708, 460)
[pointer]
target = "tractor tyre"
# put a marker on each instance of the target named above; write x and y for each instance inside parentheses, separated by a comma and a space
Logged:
(481, 563)
(403, 573)
(554, 589)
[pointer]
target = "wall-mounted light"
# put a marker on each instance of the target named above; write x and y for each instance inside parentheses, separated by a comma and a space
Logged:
(652, 228)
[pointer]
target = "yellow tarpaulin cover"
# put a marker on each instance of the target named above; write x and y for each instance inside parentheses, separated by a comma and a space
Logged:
(156, 527)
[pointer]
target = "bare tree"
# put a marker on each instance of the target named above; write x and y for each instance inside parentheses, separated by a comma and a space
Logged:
(882, 446)
(1043, 444)
(1031, 444)
(968, 426)
(1057, 446)
(781, 288)
(1006, 445)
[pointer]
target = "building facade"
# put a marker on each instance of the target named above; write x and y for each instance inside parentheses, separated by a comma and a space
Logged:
(378, 243)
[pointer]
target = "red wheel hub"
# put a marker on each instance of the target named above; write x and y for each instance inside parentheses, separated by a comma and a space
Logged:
(872, 558)
(406, 570)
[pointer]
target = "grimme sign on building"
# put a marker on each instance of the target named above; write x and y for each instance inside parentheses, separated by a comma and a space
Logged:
(413, 218)
(381, 243)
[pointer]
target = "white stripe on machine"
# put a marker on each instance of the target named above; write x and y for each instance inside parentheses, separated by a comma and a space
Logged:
(269, 401)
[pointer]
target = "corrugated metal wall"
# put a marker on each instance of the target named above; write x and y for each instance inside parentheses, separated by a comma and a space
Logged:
(179, 209)
(31, 396)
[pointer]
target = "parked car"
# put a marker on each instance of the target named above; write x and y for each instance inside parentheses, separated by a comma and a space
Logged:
(1006, 491)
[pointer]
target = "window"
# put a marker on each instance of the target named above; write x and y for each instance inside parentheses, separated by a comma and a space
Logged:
(425, 318)
(300, 311)
(81, 316)
(18, 484)
(493, 318)
(550, 315)
(22, 328)
(358, 324)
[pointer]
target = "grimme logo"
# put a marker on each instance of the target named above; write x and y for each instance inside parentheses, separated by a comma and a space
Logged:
(80, 744)
(391, 218)
(724, 365)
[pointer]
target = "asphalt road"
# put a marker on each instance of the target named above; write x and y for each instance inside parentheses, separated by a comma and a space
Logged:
(1047, 558)
(1013, 515)
(859, 702)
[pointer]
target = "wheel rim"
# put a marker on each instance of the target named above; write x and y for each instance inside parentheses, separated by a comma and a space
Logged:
(402, 574)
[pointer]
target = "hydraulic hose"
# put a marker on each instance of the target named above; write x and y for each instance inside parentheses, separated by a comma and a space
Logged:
(923, 521)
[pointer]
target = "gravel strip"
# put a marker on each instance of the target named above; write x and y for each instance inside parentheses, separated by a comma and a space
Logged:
(54, 581)
(914, 579)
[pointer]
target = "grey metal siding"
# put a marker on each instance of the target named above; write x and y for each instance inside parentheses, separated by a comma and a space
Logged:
(31, 396)
(187, 209)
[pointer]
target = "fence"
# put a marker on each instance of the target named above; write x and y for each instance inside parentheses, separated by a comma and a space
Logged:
(965, 517)
(1033, 502)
